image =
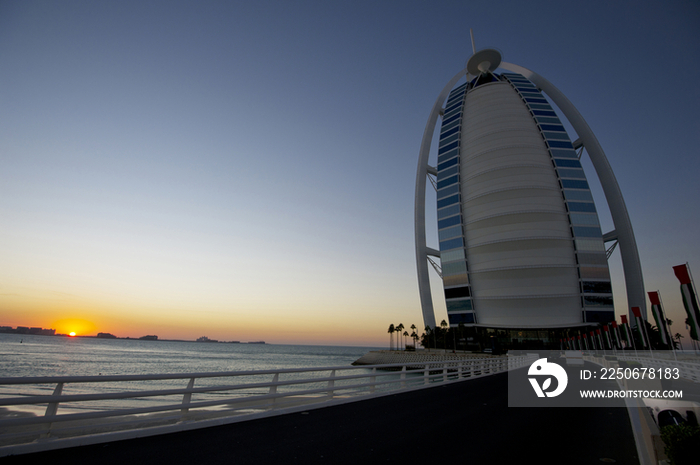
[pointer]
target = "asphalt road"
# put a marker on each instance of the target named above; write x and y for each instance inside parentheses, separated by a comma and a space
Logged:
(467, 422)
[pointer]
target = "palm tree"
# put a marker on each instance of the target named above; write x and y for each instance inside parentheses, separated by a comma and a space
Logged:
(405, 335)
(428, 332)
(414, 336)
(678, 337)
(399, 328)
(391, 335)
(443, 325)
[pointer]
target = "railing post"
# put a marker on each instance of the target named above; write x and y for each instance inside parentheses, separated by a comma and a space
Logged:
(187, 397)
(426, 375)
(331, 385)
(444, 372)
(373, 381)
(273, 388)
(52, 408)
(403, 377)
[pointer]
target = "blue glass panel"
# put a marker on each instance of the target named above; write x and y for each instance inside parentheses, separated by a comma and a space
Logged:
(444, 174)
(560, 143)
(595, 287)
(580, 218)
(552, 127)
(581, 207)
(454, 97)
(535, 100)
(540, 106)
(543, 113)
(447, 222)
(446, 127)
(456, 111)
(574, 184)
(556, 135)
(447, 140)
(597, 301)
(449, 233)
(453, 189)
(448, 181)
(546, 119)
(448, 133)
(452, 244)
(571, 173)
(459, 305)
(593, 258)
(452, 118)
(454, 268)
(578, 195)
(457, 292)
(597, 316)
(524, 86)
(587, 231)
(447, 148)
(459, 88)
(453, 199)
(448, 163)
(568, 163)
(562, 153)
(443, 157)
(464, 318)
(453, 106)
(451, 256)
(530, 94)
(449, 211)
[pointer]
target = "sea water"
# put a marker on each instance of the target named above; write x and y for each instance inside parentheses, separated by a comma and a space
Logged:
(28, 355)
(57, 356)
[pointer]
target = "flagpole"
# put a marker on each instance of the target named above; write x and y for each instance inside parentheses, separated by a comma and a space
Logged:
(646, 334)
(668, 328)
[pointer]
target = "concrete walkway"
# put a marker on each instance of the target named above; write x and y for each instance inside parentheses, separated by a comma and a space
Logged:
(467, 422)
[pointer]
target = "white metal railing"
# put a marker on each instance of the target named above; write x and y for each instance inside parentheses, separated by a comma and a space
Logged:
(92, 409)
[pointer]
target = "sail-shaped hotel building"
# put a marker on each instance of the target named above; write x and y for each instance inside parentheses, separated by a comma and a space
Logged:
(520, 243)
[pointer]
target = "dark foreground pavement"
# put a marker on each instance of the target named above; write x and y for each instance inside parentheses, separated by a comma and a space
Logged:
(467, 422)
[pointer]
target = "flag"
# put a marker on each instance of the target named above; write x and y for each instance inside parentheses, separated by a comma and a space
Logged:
(658, 312)
(637, 312)
(606, 330)
(593, 340)
(690, 300)
(616, 332)
(628, 333)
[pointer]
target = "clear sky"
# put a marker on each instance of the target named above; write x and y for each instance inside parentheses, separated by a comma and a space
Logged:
(246, 170)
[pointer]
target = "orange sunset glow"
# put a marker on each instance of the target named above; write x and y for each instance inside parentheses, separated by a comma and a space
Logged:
(74, 327)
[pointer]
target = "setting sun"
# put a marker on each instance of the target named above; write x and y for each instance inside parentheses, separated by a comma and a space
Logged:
(74, 326)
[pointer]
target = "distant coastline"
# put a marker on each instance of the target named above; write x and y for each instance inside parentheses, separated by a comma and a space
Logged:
(36, 331)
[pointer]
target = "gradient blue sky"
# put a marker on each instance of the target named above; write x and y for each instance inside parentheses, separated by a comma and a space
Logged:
(246, 170)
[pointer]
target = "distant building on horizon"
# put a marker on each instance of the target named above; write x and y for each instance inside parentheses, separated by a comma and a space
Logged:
(26, 330)
(520, 243)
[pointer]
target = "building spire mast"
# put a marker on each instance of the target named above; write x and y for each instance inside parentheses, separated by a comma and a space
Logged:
(471, 33)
